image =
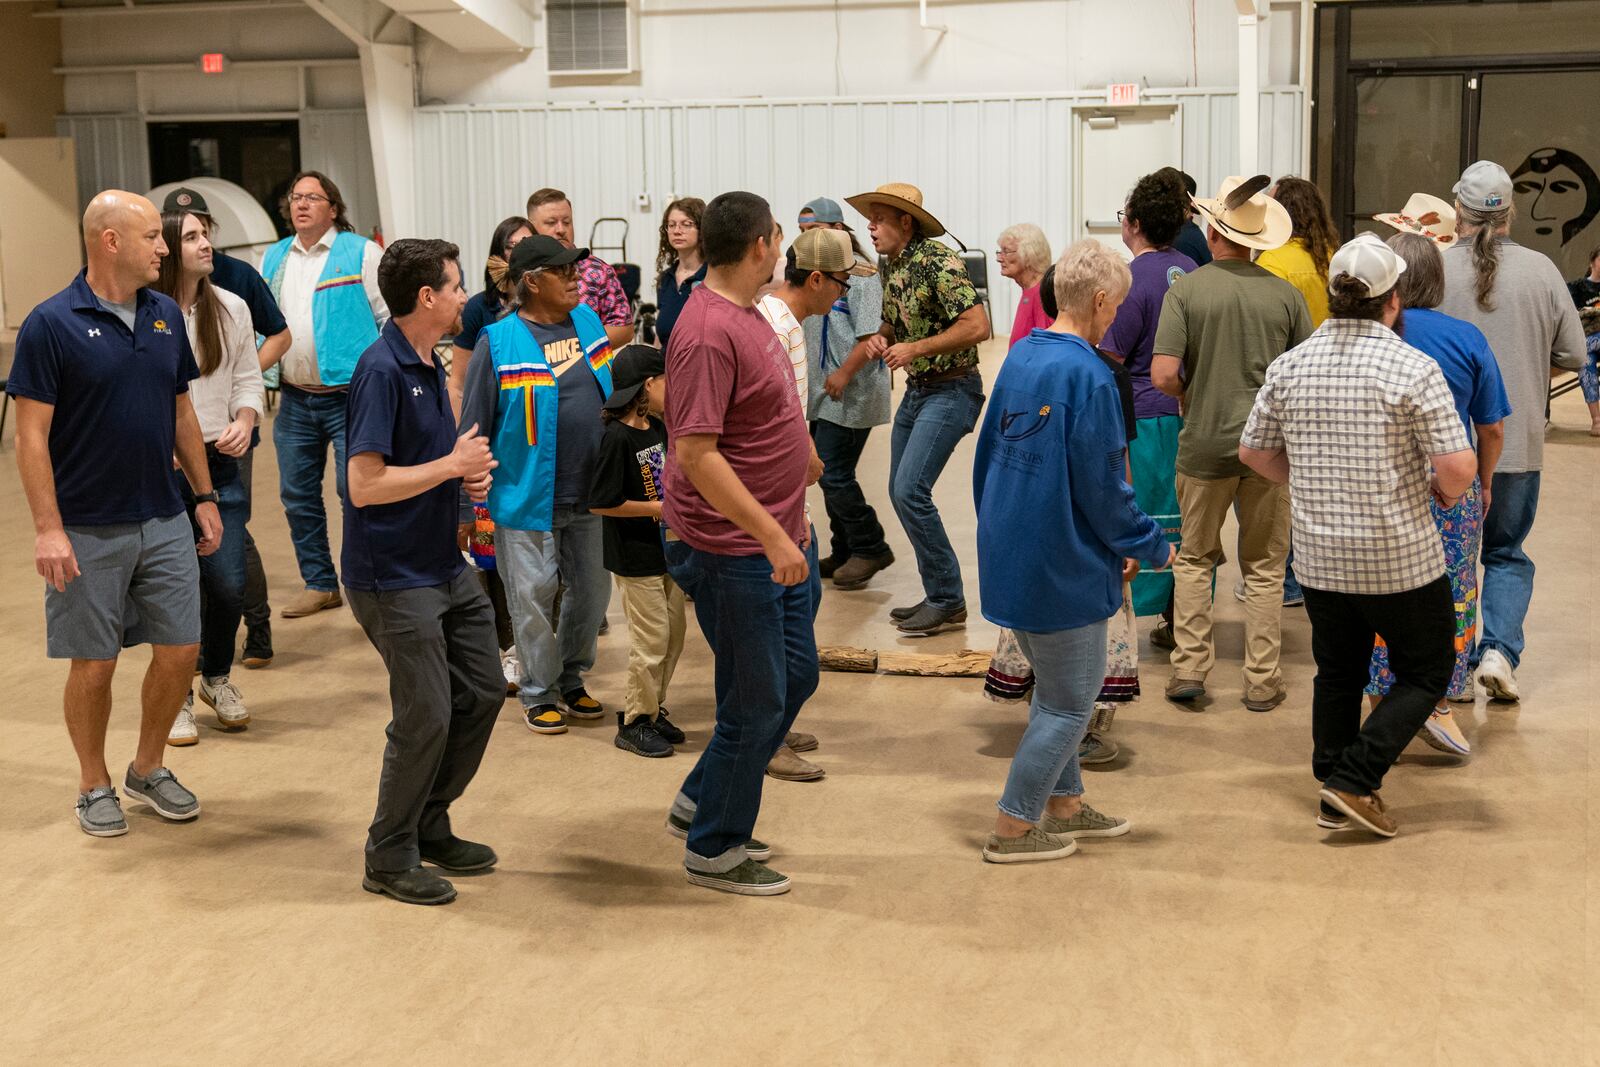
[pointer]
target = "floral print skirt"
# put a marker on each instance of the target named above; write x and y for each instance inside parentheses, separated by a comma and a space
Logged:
(1461, 528)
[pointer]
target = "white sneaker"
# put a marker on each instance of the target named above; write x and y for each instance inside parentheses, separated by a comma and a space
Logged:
(226, 701)
(1496, 677)
(511, 667)
(183, 730)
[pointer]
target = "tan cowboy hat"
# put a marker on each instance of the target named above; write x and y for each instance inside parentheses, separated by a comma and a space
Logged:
(1426, 215)
(1244, 214)
(901, 197)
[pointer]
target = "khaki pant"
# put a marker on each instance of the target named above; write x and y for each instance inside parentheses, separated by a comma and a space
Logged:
(654, 607)
(1263, 550)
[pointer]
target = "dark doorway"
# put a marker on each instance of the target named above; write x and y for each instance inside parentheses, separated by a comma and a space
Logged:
(1409, 94)
(261, 156)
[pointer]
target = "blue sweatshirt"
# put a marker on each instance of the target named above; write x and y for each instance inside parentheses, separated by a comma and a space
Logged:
(1056, 516)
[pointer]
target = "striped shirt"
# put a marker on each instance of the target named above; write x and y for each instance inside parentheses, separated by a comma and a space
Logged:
(1359, 412)
(789, 331)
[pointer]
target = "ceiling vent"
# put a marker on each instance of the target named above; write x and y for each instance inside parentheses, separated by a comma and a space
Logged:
(591, 36)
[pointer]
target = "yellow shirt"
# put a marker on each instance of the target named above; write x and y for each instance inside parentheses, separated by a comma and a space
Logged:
(1293, 263)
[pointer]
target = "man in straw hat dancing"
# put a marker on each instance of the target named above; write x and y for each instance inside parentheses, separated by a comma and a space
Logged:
(932, 324)
(1220, 327)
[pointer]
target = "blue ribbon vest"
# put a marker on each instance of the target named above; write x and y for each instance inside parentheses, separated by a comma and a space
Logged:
(524, 439)
(342, 326)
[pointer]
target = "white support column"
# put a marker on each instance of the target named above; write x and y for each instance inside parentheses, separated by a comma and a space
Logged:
(386, 78)
(1250, 17)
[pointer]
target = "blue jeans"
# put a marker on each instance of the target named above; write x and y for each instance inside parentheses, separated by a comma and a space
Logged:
(533, 564)
(929, 423)
(1068, 667)
(765, 671)
(853, 524)
(222, 578)
(1507, 570)
(306, 424)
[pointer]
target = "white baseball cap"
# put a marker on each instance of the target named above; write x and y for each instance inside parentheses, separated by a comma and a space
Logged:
(1484, 186)
(1368, 260)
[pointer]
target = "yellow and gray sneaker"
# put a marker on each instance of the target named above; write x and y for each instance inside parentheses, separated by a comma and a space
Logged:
(580, 705)
(545, 719)
(1032, 847)
(1087, 823)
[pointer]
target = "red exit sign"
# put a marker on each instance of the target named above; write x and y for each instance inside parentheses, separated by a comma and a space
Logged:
(1122, 94)
(213, 63)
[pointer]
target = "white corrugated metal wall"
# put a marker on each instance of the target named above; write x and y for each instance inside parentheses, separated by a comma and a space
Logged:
(982, 162)
(114, 153)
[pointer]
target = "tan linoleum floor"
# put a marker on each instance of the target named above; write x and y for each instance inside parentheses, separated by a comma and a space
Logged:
(1226, 929)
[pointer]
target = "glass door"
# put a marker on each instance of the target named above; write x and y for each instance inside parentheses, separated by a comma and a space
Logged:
(1407, 133)
(1544, 127)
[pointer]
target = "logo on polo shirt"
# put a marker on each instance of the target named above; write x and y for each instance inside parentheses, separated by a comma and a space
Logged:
(416, 390)
(94, 331)
(160, 326)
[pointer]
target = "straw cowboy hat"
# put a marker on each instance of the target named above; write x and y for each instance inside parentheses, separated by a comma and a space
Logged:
(901, 197)
(1244, 214)
(1426, 215)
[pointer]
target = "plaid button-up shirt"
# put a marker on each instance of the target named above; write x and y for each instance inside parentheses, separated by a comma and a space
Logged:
(1359, 412)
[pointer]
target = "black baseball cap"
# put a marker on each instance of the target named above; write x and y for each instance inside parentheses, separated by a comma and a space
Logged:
(630, 369)
(184, 198)
(538, 252)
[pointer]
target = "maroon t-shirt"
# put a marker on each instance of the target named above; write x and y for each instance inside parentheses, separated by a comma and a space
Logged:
(728, 374)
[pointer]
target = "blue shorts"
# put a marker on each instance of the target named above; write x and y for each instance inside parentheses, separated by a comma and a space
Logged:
(139, 584)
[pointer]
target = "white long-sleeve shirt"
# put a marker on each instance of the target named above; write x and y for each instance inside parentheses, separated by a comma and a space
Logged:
(302, 269)
(218, 397)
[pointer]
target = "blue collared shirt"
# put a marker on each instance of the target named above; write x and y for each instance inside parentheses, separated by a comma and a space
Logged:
(114, 393)
(399, 407)
(670, 298)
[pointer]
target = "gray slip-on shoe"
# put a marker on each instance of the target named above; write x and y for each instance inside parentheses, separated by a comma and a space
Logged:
(1032, 847)
(749, 879)
(1086, 823)
(100, 813)
(162, 792)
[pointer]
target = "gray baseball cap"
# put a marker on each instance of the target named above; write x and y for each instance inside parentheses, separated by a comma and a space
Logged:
(822, 210)
(1484, 186)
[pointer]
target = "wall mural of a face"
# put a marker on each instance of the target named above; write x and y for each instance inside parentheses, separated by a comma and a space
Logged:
(1557, 193)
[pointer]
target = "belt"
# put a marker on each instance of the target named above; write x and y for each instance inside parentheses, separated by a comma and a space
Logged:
(920, 380)
(315, 390)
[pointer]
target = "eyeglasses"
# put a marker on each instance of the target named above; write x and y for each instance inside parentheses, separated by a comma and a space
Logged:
(680, 227)
(842, 283)
(569, 270)
(1122, 216)
(1003, 253)
(307, 198)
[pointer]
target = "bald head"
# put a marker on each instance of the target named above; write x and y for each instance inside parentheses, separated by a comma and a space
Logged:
(122, 237)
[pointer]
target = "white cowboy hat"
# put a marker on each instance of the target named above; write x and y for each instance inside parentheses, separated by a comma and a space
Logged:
(901, 197)
(1426, 215)
(1244, 214)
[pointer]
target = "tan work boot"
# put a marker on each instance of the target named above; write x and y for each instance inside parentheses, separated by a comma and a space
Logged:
(788, 767)
(800, 742)
(310, 601)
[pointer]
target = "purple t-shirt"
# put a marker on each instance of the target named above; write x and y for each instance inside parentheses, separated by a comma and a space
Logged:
(1133, 334)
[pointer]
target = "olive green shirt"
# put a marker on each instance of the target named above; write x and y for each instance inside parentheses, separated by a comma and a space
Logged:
(925, 289)
(1228, 321)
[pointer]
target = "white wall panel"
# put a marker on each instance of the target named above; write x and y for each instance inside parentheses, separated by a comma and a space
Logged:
(113, 152)
(982, 162)
(337, 143)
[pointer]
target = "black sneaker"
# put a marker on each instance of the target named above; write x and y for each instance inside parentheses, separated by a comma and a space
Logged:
(545, 719)
(669, 733)
(415, 886)
(258, 647)
(641, 739)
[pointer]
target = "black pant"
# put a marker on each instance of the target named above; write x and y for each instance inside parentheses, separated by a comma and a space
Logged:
(446, 687)
(257, 612)
(854, 529)
(495, 588)
(1419, 627)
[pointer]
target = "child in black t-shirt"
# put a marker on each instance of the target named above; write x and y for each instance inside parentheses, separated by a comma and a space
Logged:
(627, 492)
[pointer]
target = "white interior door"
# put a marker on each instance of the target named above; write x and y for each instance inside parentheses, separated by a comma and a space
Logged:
(1117, 147)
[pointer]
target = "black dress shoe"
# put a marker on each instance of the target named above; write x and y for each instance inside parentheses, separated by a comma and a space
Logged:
(902, 614)
(415, 886)
(454, 854)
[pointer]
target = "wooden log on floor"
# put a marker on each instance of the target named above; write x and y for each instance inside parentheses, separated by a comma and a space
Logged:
(963, 664)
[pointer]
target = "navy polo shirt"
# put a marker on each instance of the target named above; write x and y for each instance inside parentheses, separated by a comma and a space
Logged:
(399, 407)
(246, 283)
(115, 396)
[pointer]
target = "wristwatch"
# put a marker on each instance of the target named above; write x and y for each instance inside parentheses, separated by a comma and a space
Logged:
(205, 498)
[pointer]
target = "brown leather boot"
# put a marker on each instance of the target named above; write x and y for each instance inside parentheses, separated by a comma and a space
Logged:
(789, 767)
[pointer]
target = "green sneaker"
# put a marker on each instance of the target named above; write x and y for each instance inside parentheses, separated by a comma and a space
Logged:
(1087, 823)
(749, 879)
(1031, 847)
(756, 850)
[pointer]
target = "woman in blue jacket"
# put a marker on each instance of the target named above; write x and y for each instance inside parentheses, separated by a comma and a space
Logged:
(1056, 519)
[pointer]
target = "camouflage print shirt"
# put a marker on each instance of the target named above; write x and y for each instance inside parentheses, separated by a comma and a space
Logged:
(925, 289)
